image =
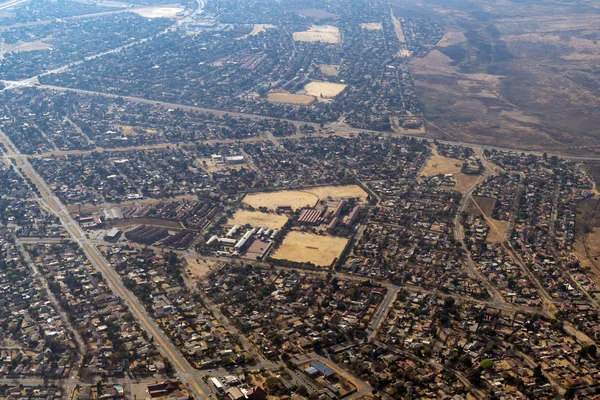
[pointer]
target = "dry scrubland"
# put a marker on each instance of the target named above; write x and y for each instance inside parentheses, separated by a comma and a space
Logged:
(199, 268)
(319, 33)
(329, 69)
(257, 218)
(514, 74)
(308, 247)
(305, 197)
(484, 206)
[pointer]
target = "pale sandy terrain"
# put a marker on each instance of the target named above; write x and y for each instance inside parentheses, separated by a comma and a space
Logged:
(325, 89)
(198, 268)
(290, 98)
(258, 28)
(329, 69)
(306, 197)
(308, 247)
(319, 33)
(374, 26)
(437, 164)
(257, 218)
(131, 130)
(159, 12)
(210, 166)
(25, 46)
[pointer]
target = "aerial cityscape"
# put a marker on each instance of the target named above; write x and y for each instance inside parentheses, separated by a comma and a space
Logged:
(302, 199)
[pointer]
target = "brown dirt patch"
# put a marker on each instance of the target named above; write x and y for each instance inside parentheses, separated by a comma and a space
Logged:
(324, 89)
(316, 14)
(290, 98)
(198, 268)
(257, 218)
(305, 197)
(329, 69)
(319, 33)
(372, 26)
(307, 247)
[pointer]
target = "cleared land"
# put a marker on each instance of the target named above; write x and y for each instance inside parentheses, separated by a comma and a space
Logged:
(210, 166)
(437, 164)
(306, 197)
(374, 26)
(159, 12)
(308, 247)
(199, 268)
(257, 218)
(316, 14)
(25, 46)
(319, 33)
(480, 205)
(290, 98)
(324, 89)
(329, 69)
(134, 130)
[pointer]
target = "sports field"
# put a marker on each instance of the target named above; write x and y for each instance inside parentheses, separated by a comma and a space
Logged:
(257, 218)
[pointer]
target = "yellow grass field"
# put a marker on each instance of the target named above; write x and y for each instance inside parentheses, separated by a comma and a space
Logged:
(308, 247)
(257, 218)
(306, 197)
(158, 12)
(437, 164)
(319, 33)
(290, 98)
(329, 69)
(373, 26)
(326, 89)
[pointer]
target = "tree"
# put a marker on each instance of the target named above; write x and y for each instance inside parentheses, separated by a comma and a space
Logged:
(487, 364)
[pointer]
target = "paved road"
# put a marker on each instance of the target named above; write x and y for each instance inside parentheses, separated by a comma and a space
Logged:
(382, 311)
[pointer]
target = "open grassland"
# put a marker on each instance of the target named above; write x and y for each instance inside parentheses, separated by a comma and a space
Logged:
(307, 247)
(480, 205)
(257, 218)
(324, 89)
(319, 33)
(290, 98)
(129, 130)
(305, 197)
(316, 14)
(26, 46)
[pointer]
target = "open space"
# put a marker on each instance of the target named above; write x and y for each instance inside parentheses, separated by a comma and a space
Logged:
(290, 98)
(374, 26)
(437, 164)
(319, 33)
(257, 218)
(198, 268)
(307, 247)
(304, 197)
(329, 69)
(324, 89)
(159, 12)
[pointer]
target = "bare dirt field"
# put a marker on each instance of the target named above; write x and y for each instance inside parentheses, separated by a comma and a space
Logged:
(329, 69)
(127, 223)
(316, 14)
(319, 33)
(324, 89)
(374, 26)
(198, 268)
(134, 130)
(210, 166)
(437, 164)
(26, 46)
(513, 74)
(159, 12)
(257, 218)
(307, 247)
(290, 98)
(480, 205)
(498, 230)
(305, 197)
